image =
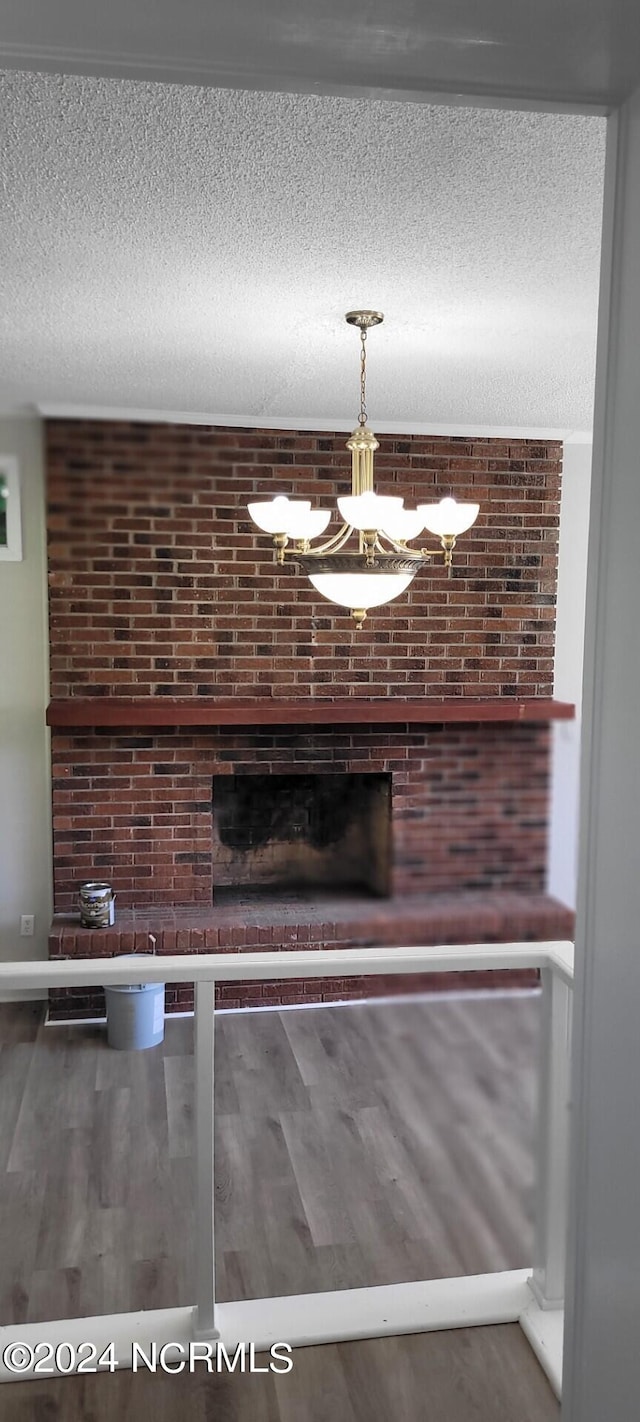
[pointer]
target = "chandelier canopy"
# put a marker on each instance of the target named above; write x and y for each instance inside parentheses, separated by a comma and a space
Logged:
(367, 562)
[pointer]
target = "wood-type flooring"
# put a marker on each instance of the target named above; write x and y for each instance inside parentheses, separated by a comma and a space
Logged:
(356, 1145)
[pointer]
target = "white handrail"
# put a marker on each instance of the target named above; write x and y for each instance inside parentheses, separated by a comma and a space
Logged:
(237, 966)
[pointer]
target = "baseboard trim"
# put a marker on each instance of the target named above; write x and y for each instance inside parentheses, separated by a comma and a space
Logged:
(464, 995)
(301, 1320)
(544, 1330)
(453, 995)
(24, 995)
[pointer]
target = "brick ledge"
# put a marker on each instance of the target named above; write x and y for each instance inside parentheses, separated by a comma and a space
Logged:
(464, 917)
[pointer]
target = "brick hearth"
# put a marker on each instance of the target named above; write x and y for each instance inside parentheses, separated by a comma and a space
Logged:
(424, 919)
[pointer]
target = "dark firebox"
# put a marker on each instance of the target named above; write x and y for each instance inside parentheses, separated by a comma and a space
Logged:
(279, 832)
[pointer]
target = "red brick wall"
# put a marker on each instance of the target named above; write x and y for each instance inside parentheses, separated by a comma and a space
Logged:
(469, 804)
(160, 585)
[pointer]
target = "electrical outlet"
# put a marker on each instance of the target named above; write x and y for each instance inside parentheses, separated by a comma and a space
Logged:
(27, 925)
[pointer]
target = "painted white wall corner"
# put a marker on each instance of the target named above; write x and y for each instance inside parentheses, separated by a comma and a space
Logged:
(565, 759)
(25, 789)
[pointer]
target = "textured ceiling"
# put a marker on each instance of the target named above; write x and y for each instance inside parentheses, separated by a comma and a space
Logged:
(179, 249)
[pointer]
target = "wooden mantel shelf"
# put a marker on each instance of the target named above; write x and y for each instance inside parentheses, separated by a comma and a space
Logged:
(197, 711)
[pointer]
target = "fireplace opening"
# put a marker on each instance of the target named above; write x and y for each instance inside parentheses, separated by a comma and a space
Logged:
(301, 836)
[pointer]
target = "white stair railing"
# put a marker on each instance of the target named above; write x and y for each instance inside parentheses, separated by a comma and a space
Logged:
(534, 1298)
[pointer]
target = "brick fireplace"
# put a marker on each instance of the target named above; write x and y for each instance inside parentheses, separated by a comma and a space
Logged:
(187, 674)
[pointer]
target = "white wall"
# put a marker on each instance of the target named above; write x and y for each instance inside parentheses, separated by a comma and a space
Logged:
(602, 1357)
(572, 578)
(25, 795)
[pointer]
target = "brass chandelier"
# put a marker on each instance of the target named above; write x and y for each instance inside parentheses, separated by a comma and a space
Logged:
(379, 565)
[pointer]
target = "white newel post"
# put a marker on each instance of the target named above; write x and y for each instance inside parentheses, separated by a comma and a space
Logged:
(602, 1341)
(553, 1143)
(204, 1316)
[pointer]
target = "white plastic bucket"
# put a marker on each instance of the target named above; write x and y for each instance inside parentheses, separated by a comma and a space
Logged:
(135, 1015)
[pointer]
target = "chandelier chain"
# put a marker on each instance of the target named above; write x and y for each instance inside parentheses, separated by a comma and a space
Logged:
(362, 418)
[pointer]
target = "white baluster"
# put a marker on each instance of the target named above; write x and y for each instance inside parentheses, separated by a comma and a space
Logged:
(553, 1139)
(204, 1313)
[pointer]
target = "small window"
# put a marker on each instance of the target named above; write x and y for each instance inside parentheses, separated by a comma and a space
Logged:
(10, 521)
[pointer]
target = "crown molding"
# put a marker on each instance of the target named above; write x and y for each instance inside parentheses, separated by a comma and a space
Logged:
(212, 73)
(61, 411)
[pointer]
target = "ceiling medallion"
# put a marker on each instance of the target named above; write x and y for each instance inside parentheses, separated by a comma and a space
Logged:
(367, 562)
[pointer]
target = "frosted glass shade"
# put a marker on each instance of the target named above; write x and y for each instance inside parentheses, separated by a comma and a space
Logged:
(403, 524)
(448, 519)
(368, 510)
(306, 523)
(274, 516)
(361, 590)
